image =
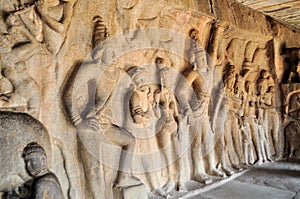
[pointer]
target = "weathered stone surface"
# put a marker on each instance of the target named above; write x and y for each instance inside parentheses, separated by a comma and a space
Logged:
(155, 97)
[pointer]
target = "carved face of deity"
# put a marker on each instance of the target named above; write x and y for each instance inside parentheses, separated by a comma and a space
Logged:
(35, 164)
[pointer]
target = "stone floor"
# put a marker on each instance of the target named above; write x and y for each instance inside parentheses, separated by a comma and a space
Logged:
(276, 180)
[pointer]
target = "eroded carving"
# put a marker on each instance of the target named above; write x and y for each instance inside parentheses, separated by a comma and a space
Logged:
(6, 88)
(151, 112)
(20, 91)
(42, 22)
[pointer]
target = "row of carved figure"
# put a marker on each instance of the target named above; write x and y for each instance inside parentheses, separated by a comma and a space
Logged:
(172, 125)
(172, 129)
(251, 104)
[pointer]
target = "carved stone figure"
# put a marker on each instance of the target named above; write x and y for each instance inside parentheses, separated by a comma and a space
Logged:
(225, 150)
(232, 126)
(42, 22)
(198, 54)
(56, 16)
(195, 105)
(234, 106)
(92, 112)
(6, 88)
(291, 129)
(293, 108)
(22, 37)
(140, 111)
(16, 131)
(251, 92)
(139, 103)
(24, 87)
(45, 184)
(273, 122)
(239, 87)
(256, 134)
(292, 140)
(264, 83)
(247, 148)
(155, 149)
(168, 134)
(230, 79)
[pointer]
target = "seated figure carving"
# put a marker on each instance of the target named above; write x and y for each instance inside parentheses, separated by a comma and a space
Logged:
(45, 184)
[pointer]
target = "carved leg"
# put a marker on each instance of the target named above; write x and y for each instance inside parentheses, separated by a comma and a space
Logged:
(245, 151)
(92, 172)
(251, 153)
(209, 149)
(263, 142)
(198, 164)
(225, 152)
(122, 138)
(185, 160)
(267, 145)
(256, 142)
(229, 143)
(116, 134)
(172, 169)
(275, 137)
(237, 142)
(124, 176)
(221, 153)
(197, 160)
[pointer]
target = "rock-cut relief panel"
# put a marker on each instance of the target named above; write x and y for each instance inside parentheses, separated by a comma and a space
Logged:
(247, 105)
(33, 35)
(147, 106)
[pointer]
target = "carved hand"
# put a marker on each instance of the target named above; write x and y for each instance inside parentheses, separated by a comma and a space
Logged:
(187, 112)
(157, 96)
(89, 124)
(23, 191)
